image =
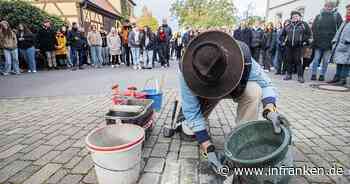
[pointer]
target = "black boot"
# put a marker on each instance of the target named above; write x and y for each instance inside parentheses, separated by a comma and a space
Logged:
(335, 80)
(301, 79)
(321, 78)
(313, 77)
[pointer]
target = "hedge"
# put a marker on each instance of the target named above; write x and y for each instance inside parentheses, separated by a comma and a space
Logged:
(18, 11)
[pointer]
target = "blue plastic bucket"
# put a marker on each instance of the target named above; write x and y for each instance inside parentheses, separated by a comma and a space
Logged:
(157, 98)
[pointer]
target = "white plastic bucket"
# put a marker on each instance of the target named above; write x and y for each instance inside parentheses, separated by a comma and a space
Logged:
(116, 153)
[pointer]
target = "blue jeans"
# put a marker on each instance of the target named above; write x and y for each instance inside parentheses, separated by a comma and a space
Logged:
(148, 59)
(96, 55)
(326, 54)
(136, 55)
(105, 55)
(29, 57)
(74, 54)
(69, 60)
(11, 60)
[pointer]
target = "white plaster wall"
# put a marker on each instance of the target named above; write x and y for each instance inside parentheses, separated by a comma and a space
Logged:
(312, 8)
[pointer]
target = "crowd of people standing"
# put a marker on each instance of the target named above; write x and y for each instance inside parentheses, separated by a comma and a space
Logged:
(287, 47)
(70, 47)
(294, 45)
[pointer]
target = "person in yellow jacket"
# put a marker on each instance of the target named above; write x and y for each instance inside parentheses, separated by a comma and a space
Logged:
(61, 48)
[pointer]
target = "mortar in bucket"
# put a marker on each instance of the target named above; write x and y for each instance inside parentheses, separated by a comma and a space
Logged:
(256, 145)
(116, 153)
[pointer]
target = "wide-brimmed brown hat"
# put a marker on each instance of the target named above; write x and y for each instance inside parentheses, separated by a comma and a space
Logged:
(212, 65)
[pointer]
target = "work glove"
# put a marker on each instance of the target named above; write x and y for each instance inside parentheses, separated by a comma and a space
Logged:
(277, 119)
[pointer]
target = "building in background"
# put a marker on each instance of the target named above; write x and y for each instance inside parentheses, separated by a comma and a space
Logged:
(102, 13)
(279, 10)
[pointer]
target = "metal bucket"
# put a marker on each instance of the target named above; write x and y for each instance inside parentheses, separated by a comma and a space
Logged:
(116, 153)
(254, 145)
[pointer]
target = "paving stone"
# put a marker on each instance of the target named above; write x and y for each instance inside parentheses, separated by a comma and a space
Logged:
(156, 130)
(80, 143)
(175, 146)
(12, 169)
(32, 146)
(71, 131)
(171, 172)
(160, 150)
(172, 156)
(216, 131)
(151, 141)
(33, 139)
(334, 141)
(155, 165)
(73, 162)
(304, 148)
(71, 179)
(47, 158)
(38, 152)
(57, 140)
(91, 177)
(146, 152)
(298, 155)
(20, 177)
(83, 152)
(147, 178)
(189, 152)
(65, 145)
(298, 180)
(341, 157)
(11, 151)
(58, 176)
(66, 156)
(189, 171)
(162, 139)
(84, 166)
(43, 174)
(9, 160)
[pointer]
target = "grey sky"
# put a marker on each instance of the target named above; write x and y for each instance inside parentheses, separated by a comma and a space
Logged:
(160, 8)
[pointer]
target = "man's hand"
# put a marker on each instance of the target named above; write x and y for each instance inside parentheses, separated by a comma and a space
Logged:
(277, 119)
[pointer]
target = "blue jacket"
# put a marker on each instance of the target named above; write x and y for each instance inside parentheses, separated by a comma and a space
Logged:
(191, 106)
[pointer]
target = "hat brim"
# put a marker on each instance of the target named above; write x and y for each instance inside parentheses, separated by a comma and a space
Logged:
(233, 72)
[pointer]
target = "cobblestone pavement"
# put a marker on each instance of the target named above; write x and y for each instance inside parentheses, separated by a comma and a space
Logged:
(42, 139)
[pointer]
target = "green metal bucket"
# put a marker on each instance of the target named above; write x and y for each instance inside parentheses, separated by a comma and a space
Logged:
(255, 145)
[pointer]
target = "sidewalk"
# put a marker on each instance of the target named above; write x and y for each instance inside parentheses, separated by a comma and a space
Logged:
(42, 139)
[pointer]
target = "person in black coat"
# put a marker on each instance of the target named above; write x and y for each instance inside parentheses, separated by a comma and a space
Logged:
(26, 46)
(78, 43)
(257, 41)
(169, 35)
(47, 41)
(244, 34)
(267, 46)
(324, 28)
(150, 45)
(162, 46)
(295, 36)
